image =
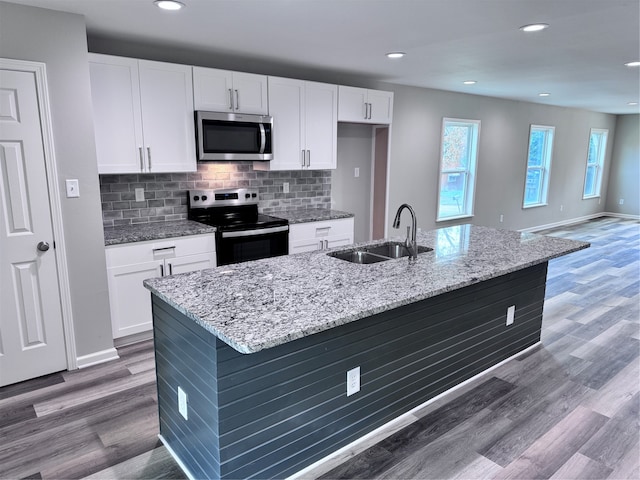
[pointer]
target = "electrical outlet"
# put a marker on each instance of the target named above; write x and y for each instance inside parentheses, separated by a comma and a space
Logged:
(139, 194)
(621, 201)
(182, 403)
(73, 188)
(356, 172)
(353, 381)
(285, 187)
(511, 313)
(501, 218)
(561, 207)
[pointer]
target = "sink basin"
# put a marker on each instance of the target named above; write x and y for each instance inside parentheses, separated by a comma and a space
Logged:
(394, 250)
(376, 253)
(358, 256)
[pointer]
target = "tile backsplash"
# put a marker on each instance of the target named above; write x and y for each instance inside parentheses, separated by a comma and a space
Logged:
(165, 194)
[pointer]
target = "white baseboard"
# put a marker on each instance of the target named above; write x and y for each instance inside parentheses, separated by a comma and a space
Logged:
(97, 357)
(135, 338)
(573, 221)
(180, 463)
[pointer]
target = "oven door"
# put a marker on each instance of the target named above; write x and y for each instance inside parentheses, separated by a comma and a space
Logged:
(245, 245)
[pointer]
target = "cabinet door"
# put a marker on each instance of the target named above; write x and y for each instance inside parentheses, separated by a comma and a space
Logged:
(212, 89)
(321, 125)
(250, 93)
(190, 263)
(166, 92)
(351, 104)
(381, 106)
(115, 94)
(129, 300)
(286, 104)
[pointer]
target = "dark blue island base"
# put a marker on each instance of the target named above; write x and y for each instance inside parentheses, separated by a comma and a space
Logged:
(272, 413)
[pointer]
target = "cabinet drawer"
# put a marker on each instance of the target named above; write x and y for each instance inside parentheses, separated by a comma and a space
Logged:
(342, 226)
(140, 252)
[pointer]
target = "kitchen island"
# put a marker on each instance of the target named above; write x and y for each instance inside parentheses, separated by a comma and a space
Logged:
(252, 358)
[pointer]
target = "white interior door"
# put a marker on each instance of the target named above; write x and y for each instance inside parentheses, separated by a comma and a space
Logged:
(31, 331)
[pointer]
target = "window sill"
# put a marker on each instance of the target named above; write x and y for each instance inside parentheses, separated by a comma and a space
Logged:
(524, 207)
(590, 197)
(438, 220)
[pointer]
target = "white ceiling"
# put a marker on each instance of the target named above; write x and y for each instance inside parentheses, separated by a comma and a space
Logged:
(579, 59)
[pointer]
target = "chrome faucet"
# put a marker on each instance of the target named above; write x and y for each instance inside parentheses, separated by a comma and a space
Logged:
(410, 242)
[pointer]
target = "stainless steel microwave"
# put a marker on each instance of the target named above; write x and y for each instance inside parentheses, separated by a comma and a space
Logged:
(233, 136)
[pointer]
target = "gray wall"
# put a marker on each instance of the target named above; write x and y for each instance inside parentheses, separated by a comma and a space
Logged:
(348, 192)
(624, 177)
(59, 40)
(504, 133)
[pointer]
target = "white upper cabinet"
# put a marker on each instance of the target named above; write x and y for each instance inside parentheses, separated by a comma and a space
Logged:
(360, 105)
(226, 91)
(143, 115)
(305, 125)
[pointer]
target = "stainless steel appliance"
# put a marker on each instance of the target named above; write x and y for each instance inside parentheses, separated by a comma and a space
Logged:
(233, 136)
(242, 233)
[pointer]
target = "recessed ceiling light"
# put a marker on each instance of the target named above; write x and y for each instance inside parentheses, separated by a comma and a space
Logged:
(396, 54)
(470, 82)
(169, 4)
(534, 27)
(632, 103)
(632, 64)
(544, 94)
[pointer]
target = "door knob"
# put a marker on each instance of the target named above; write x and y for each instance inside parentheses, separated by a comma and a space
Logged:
(43, 246)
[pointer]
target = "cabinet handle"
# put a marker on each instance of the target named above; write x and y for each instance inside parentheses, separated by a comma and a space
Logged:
(149, 157)
(161, 270)
(230, 99)
(302, 156)
(370, 108)
(237, 100)
(141, 159)
(326, 244)
(170, 269)
(320, 248)
(308, 158)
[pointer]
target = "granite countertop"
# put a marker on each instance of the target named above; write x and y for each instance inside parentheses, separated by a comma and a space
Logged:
(153, 231)
(312, 215)
(261, 304)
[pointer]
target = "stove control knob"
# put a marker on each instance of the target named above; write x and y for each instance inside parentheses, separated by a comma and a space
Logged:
(196, 198)
(247, 195)
(204, 198)
(254, 195)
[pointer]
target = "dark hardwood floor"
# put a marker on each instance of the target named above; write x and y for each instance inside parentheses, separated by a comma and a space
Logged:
(568, 409)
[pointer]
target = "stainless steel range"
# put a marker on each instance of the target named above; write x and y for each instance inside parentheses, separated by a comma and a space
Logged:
(242, 234)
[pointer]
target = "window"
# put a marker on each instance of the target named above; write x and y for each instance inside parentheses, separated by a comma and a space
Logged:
(457, 168)
(538, 165)
(595, 161)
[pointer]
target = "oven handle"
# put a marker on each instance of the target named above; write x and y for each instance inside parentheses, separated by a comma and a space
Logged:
(252, 233)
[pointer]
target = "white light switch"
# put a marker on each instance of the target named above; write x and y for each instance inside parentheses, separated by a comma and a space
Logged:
(285, 187)
(356, 172)
(139, 194)
(73, 189)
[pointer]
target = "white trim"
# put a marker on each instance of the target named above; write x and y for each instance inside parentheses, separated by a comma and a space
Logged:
(362, 443)
(184, 468)
(573, 221)
(97, 357)
(133, 338)
(40, 73)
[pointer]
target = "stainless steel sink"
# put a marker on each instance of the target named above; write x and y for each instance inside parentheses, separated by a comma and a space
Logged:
(358, 256)
(376, 253)
(394, 250)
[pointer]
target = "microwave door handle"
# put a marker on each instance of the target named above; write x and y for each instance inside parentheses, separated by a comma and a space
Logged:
(263, 138)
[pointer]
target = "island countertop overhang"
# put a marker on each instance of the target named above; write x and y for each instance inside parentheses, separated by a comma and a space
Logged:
(262, 304)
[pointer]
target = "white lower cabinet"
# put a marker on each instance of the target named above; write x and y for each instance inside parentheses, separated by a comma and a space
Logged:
(129, 264)
(322, 235)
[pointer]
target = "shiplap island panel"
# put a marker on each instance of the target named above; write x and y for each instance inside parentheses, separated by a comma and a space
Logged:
(261, 349)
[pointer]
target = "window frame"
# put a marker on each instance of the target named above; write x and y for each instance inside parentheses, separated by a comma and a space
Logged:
(544, 168)
(599, 164)
(470, 171)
